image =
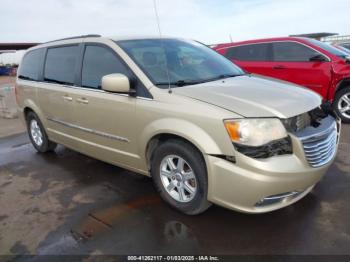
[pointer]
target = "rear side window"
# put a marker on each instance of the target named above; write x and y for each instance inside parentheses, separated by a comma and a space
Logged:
(256, 52)
(292, 52)
(31, 65)
(98, 62)
(60, 64)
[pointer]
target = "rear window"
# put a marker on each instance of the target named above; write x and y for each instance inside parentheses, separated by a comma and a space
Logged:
(30, 66)
(60, 64)
(292, 52)
(255, 52)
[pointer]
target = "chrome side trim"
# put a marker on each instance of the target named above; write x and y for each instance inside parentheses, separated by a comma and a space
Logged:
(88, 130)
(279, 198)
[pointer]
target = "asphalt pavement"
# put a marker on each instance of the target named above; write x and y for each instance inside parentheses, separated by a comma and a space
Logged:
(67, 203)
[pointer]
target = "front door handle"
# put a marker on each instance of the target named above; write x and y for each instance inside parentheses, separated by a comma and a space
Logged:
(279, 67)
(67, 98)
(82, 100)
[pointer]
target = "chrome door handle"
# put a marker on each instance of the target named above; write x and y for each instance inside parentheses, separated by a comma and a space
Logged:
(67, 98)
(82, 100)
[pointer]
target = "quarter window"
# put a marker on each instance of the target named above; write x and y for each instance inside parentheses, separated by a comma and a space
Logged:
(256, 52)
(60, 65)
(292, 52)
(98, 62)
(31, 63)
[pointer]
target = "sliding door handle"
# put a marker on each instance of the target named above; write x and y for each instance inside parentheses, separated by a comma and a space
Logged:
(67, 98)
(82, 100)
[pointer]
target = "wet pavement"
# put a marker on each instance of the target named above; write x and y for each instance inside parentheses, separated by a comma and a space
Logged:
(67, 203)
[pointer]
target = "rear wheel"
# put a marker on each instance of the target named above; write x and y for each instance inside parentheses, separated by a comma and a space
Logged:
(179, 174)
(341, 104)
(37, 134)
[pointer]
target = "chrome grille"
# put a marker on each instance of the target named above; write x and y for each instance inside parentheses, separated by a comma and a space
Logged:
(321, 147)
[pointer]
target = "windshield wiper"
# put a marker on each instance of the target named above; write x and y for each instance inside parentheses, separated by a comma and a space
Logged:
(223, 76)
(180, 83)
(195, 82)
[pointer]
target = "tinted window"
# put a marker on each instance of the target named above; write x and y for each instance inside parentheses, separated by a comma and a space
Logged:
(60, 64)
(292, 52)
(98, 62)
(31, 64)
(256, 52)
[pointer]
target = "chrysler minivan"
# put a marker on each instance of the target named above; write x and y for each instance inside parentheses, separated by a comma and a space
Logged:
(303, 61)
(177, 111)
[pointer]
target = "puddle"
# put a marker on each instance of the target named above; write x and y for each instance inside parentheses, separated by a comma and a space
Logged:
(101, 221)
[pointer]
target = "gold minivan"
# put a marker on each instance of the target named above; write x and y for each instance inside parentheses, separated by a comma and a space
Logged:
(177, 111)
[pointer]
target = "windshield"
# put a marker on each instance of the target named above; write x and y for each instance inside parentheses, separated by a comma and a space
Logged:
(179, 62)
(345, 46)
(344, 49)
(331, 49)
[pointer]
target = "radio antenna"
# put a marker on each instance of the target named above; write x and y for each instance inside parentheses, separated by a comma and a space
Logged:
(162, 44)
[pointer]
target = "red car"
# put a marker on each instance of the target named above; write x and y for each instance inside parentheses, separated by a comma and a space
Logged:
(303, 61)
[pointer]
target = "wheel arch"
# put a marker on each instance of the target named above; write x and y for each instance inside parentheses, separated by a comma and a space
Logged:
(30, 106)
(161, 138)
(343, 84)
(26, 110)
(163, 130)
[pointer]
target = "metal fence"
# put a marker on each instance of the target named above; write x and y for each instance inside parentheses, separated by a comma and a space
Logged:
(8, 104)
(336, 39)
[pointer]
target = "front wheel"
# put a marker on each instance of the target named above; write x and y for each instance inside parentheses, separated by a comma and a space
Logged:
(179, 174)
(341, 104)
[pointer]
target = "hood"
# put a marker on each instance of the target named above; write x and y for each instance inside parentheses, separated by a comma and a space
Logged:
(252, 96)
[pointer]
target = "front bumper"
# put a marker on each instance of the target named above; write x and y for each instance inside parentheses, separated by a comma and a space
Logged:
(263, 185)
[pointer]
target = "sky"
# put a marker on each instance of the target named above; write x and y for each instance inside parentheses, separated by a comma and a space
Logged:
(209, 21)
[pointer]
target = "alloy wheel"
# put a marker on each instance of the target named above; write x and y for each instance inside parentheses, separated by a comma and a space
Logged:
(36, 133)
(178, 178)
(344, 105)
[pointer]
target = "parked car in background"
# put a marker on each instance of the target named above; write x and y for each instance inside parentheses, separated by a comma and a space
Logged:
(179, 112)
(345, 45)
(303, 61)
(344, 49)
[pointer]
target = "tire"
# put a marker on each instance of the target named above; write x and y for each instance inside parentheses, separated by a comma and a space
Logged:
(37, 134)
(342, 100)
(172, 184)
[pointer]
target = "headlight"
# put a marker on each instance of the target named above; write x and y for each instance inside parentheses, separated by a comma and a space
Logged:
(255, 132)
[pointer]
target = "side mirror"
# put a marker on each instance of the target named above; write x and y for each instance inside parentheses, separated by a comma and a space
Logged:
(116, 83)
(318, 58)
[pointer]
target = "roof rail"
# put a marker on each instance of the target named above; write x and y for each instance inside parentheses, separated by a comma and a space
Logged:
(74, 37)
